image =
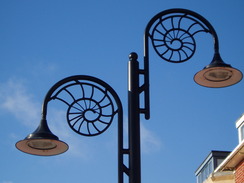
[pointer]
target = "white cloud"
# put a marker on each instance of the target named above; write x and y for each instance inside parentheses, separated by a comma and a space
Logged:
(15, 99)
(149, 141)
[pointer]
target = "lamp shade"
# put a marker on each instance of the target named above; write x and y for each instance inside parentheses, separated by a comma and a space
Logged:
(42, 142)
(218, 74)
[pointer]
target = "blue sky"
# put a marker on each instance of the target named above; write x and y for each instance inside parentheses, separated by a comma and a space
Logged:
(43, 42)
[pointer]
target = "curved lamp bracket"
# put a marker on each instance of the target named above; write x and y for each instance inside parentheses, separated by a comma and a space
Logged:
(172, 35)
(91, 107)
(91, 103)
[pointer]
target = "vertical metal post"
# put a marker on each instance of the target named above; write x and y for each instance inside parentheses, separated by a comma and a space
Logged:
(120, 146)
(134, 120)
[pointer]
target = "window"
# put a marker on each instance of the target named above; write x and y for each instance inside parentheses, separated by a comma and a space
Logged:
(242, 133)
(206, 171)
(240, 127)
(209, 164)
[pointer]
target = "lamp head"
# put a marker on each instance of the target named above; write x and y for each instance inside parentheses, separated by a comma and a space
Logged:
(42, 142)
(218, 74)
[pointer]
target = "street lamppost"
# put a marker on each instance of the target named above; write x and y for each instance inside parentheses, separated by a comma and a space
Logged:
(92, 104)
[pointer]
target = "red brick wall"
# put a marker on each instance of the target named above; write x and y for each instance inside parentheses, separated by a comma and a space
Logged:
(239, 175)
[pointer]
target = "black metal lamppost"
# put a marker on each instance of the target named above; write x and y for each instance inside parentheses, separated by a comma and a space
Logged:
(93, 104)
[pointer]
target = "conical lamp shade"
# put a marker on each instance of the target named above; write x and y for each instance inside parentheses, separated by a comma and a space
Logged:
(42, 142)
(218, 74)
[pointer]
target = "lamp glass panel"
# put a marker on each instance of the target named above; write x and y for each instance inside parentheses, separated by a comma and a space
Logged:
(217, 75)
(42, 144)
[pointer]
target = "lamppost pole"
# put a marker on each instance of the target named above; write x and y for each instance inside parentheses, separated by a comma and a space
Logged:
(91, 110)
(134, 119)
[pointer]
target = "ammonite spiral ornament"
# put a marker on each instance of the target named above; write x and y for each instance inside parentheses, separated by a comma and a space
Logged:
(172, 35)
(91, 106)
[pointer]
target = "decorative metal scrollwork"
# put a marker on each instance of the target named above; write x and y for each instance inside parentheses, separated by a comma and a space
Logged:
(91, 105)
(172, 35)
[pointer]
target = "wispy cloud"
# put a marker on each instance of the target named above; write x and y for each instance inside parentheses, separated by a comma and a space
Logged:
(15, 99)
(149, 140)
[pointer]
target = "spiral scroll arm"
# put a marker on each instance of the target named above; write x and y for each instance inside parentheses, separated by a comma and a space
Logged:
(91, 105)
(172, 35)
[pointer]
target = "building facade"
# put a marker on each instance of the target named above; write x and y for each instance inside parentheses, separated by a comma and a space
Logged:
(230, 165)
